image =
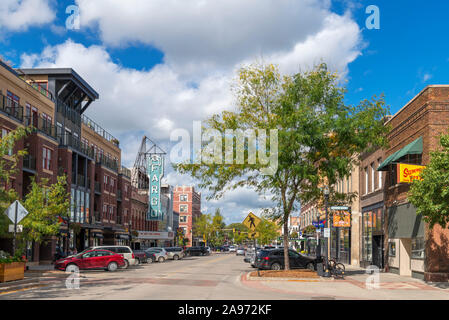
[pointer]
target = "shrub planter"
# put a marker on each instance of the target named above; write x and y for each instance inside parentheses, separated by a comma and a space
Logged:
(12, 271)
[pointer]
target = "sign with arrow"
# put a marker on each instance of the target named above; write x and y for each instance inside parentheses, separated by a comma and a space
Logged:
(252, 221)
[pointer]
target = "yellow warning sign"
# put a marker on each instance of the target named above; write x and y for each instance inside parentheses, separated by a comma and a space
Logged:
(252, 221)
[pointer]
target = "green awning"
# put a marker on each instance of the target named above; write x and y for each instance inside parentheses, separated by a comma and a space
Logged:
(415, 147)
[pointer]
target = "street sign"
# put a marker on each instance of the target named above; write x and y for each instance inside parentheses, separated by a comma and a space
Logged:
(251, 221)
(21, 212)
(327, 232)
(19, 228)
(253, 235)
(339, 208)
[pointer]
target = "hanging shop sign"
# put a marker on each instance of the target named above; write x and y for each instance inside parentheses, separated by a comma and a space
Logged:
(341, 218)
(155, 172)
(409, 172)
(154, 235)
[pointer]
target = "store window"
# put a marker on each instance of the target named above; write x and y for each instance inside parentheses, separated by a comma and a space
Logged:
(418, 248)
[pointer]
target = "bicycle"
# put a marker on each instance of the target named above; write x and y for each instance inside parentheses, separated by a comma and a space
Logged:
(337, 270)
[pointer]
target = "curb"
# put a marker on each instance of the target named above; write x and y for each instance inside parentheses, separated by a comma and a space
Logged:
(320, 279)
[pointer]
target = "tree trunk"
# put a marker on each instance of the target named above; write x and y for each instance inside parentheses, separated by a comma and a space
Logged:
(286, 258)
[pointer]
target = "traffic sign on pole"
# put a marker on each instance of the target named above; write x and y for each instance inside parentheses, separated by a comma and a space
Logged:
(16, 212)
(251, 221)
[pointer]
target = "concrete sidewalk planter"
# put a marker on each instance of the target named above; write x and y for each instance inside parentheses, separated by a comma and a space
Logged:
(12, 271)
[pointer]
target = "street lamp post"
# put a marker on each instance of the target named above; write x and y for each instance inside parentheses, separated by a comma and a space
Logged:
(326, 200)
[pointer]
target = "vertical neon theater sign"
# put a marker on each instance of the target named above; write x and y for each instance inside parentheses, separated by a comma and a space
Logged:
(155, 172)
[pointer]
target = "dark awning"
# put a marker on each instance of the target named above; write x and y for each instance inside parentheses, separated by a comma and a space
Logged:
(415, 147)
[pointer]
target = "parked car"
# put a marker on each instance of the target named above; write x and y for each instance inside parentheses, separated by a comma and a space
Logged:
(240, 251)
(141, 256)
(273, 259)
(175, 253)
(160, 253)
(91, 259)
(126, 251)
(208, 250)
(232, 248)
(196, 251)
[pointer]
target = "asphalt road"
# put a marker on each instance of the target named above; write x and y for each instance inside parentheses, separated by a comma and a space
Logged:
(221, 277)
(192, 278)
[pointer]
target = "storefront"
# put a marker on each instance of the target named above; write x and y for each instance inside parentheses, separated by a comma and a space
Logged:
(340, 248)
(154, 239)
(373, 236)
(97, 237)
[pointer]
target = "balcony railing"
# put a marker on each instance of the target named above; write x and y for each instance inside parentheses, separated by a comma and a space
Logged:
(11, 108)
(99, 130)
(44, 92)
(75, 143)
(41, 124)
(81, 180)
(109, 163)
(68, 112)
(125, 171)
(29, 162)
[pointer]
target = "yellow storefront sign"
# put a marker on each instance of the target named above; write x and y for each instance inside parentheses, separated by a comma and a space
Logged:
(408, 172)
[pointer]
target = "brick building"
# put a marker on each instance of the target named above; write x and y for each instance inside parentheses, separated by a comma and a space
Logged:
(413, 248)
(187, 204)
(65, 141)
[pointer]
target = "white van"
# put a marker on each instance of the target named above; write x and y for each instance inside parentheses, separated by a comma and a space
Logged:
(125, 251)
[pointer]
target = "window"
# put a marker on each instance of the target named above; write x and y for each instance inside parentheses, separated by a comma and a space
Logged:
(379, 175)
(373, 180)
(46, 159)
(392, 249)
(5, 132)
(366, 180)
(183, 197)
(183, 208)
(183, 219)
(27, 114)
(418, 248)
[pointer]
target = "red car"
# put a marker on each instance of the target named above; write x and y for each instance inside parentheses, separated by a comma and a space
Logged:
(91, 259)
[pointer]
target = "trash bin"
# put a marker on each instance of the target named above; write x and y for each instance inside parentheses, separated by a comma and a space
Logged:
(320, 269)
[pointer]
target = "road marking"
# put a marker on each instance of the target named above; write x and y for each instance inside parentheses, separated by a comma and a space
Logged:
(24, 289)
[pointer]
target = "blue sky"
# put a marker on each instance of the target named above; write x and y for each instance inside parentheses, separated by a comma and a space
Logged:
(156, 59)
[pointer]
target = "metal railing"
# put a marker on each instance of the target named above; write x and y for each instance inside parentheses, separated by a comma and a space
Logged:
(41, 90)
(11, 108)
(125, 171)
(109, 163)
(81, 180)
(41, 124)
(99, 130)
(68, 113)
(75, 143)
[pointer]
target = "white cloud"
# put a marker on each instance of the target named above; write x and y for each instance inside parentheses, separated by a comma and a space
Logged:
(427, 77)
(19, 15)
(204, 43)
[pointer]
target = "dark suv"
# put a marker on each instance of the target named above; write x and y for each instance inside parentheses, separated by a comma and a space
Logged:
(196, 251)
(273, 259)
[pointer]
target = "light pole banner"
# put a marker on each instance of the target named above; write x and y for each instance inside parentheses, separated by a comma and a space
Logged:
(155, 172)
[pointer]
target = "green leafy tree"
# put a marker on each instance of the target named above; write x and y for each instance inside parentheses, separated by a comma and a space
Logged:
(203, 227)
(294, 235)
(268, 231)
(45, 204)
(319, 137)
(8, 168)
(430, 195)
(241, 232)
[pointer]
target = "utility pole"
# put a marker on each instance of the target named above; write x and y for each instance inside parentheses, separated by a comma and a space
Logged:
(326, 200)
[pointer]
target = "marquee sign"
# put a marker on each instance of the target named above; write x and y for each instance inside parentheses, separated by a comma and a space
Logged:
(155, 172)
(408, 172)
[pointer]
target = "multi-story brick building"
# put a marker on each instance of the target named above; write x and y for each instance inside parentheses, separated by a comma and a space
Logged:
(413, 248)
(187, 203)
(104, 209)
